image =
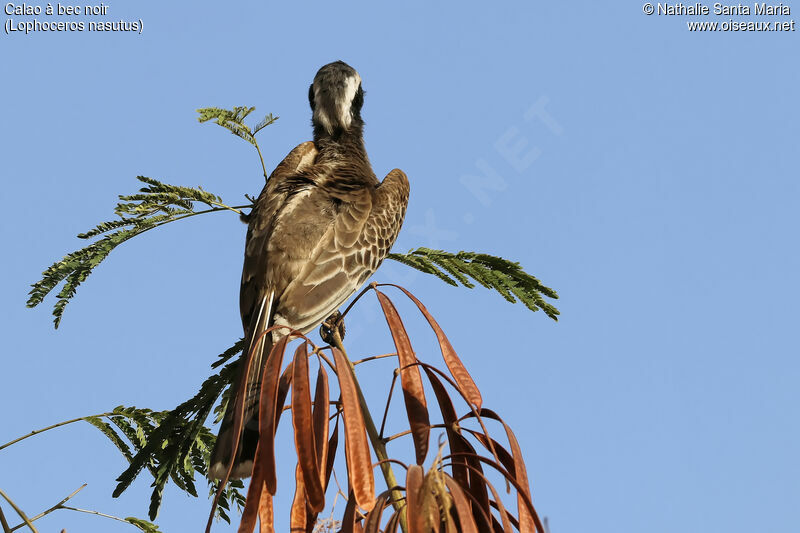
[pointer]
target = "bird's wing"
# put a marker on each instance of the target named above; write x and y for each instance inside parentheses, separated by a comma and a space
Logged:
(359, 238)
(262, 221)
(256, 296)
(256, 300)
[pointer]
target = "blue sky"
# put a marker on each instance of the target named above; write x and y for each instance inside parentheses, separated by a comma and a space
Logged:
(653, 189)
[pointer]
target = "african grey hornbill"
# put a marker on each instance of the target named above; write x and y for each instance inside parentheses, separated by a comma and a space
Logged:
(321, 226)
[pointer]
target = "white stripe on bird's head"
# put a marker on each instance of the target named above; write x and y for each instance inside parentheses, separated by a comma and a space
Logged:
(336, 96)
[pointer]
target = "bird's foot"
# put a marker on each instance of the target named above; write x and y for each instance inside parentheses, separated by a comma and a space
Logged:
(334, 323)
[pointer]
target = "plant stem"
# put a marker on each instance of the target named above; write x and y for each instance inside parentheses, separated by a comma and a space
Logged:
(36, 432)
(3, 523)
(378, 445)
(374, 357)
(223, 207)
(263, 167)
(318, 352)
(19, 511)
(234, 209)
(67, 507)
(388, 402)
(59, 505)
(408, 432)
(357, 298)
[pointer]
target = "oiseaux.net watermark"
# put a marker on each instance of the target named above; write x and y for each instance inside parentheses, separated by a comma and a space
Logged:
(724, 17)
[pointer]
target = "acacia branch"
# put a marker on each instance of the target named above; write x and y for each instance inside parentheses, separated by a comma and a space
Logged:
(20, 512)
(59, 505)
(36, 432)
(261, 157)
(68, 508)
(222, 207)
(3, 523)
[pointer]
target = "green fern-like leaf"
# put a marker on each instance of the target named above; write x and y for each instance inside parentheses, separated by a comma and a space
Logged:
(173, 445)
(495, 273)
(112, 435)
(179, 445)
(423, 265)
(144, 525)
(233, 121)
(229, 354)
(266, 121)
(156, 204)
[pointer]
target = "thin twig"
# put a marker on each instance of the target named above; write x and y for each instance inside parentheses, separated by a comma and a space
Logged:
(318, 353)
(195, 213)
(357, 298)
(263, 166)
(67, 507)
(408, 432)
(3, 523)
(388, 401)
(57, 506)
(19, 511)
(338, 490)
(372, 358)
(234, 209)
(36, 432)
(338, 409)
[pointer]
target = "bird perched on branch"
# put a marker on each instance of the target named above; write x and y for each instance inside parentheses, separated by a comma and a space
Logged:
(320, 227)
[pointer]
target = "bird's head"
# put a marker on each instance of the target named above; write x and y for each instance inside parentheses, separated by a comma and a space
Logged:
(336, 98)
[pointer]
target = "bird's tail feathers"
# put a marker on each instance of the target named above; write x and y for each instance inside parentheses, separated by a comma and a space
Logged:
(258, 346)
